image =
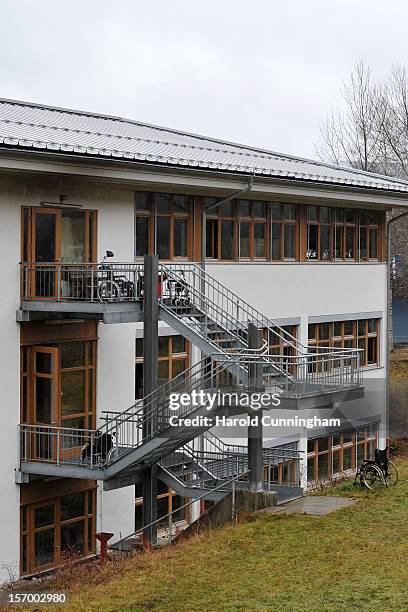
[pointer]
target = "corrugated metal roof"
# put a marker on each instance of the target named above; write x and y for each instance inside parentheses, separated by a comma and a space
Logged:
(33, 126)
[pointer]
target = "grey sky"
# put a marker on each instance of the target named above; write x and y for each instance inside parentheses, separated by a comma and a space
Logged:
(261, 72)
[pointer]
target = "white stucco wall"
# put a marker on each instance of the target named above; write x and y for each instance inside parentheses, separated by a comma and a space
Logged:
(9, 378)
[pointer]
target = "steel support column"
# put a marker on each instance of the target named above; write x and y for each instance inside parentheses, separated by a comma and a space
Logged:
(255, 436)
(150, 383)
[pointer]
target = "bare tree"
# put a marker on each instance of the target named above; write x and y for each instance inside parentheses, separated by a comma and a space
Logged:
(353, 136)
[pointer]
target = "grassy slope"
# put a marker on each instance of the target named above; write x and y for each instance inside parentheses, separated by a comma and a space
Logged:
(355, 558)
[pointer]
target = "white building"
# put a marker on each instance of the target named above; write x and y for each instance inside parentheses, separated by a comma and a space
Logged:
(302, 242)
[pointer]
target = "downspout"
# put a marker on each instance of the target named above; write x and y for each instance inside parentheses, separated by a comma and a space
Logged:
(389, 342)
(217, 205)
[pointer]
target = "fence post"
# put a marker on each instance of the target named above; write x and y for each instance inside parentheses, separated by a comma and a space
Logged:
(233, 500)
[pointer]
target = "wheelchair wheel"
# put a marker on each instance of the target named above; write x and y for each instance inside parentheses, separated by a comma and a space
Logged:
(372, 477)
(108, 290)
(391, 476)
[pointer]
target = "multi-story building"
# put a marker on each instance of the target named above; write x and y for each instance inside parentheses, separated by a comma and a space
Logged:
(245, 236)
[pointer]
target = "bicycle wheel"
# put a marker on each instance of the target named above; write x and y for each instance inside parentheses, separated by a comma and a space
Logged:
(391, 475)
(108, 290)
(372, 477)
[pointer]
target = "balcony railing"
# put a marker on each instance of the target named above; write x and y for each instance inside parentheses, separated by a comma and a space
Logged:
(90, 282)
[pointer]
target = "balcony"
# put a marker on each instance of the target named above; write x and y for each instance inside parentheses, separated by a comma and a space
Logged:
(109, 292)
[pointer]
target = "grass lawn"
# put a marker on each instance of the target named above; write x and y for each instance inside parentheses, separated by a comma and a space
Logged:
(355, 558)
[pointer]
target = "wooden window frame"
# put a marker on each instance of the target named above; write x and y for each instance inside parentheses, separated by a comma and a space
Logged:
(252, 220)
(29, 533)
(27, 381)
(171, 356)
(313, 455)
(355, 339)
(153, 214)
(359, 220)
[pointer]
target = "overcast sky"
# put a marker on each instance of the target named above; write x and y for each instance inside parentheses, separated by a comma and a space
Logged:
(259, 72)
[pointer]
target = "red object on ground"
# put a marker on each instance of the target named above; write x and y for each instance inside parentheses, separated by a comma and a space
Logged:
(103, 537)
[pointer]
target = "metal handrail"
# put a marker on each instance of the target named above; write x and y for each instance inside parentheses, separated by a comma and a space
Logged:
(142, 529)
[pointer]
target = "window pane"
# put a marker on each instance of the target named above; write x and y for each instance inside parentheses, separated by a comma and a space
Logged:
(289, 211)
(310, 469)
(324, 242)
(259, 209)
(312, 331)
(325, 331)
(91, 536)
(245, 208)
(181, 203)
(276, 241)
(227, 240)
(259, 240)
(372, 327)
(227, 209)
(72, 537)
(339, 215)
(163, 202)
(289, 245)
(43, 392)
(336, 462)
(244, 239)
(180, 237)
(142, 236)
(338, 244)
(72, 354)
(349, 215)
(312, 233)
(139, 347)
(44, 547)
(276, 212)
(73, 236)
(372, 351)
(45, 515)
(348, 328)
(72, 506)
(312, 213)
(142, 200)
(373, 244)
(179, 344)
(323, 444)
(163, 346)
(45, 237)
(139, 381)
(163, 371)
(324, 214)
(350, 253)
(178, 366)
(212, 238)
(323, 466)
(363, 243)
(348, 458)
(43, 363)
(72, 392)
(163, 237)
(337, 329)
(348, 436)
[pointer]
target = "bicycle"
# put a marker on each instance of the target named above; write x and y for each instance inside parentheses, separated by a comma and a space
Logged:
(374, 474)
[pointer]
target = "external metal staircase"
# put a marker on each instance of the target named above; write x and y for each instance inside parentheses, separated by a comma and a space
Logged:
(218, 321)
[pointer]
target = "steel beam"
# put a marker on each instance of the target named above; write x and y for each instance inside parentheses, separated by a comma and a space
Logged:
(150, 384)
(255, 435)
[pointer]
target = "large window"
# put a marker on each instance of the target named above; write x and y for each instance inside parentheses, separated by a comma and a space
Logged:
(57, 529)
(172, 360)
(162, 224)
(342, 234)
(58, 384)
(332, 455)
(284, 218)
(167, 501)
(362, 334)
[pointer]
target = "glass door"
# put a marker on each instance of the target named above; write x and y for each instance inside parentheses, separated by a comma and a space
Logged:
(45, 401)
(46, 251)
